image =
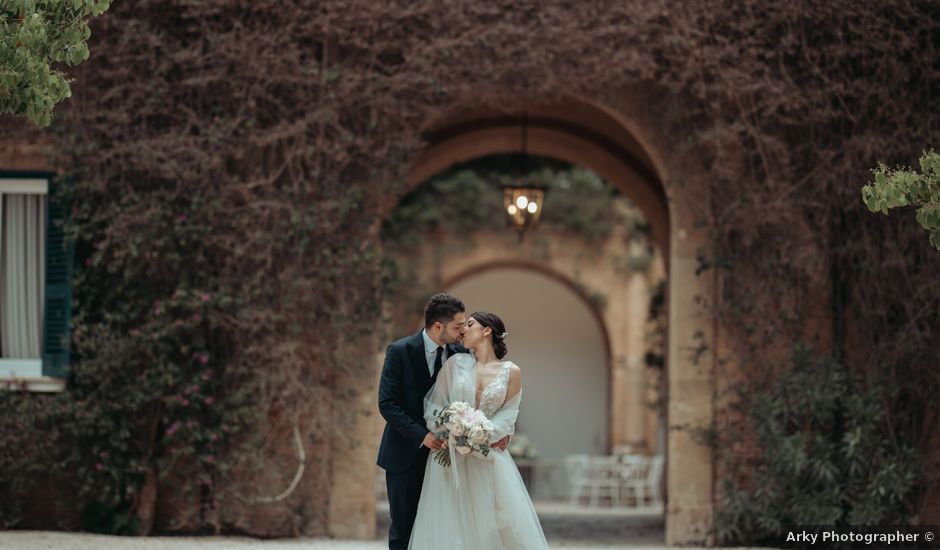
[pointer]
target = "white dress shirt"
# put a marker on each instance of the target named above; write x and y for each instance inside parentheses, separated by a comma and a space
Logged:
(430, 351)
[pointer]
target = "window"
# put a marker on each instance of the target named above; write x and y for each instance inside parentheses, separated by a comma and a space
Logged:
(34, 291)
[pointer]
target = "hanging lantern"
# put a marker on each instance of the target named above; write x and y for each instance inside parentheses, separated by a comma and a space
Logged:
(522, 205)
(523, 200)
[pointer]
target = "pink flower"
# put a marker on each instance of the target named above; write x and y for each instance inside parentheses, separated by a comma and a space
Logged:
(182, 218)
(204, 359)
(210, 459)
(210, 401)
(197, 317)
(206, 375)
(185, 402)
(103, 454)
(99, 466)
(205, 297)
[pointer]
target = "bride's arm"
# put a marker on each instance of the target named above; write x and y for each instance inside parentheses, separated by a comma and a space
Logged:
(505, 418)
(515, 382)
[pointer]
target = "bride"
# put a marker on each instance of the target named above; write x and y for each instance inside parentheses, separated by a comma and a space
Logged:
(478, 502)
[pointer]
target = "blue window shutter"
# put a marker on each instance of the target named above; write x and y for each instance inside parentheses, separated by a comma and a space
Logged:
(58, 303)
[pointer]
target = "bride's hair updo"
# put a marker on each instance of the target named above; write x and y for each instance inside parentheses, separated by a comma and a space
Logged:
(499, 333)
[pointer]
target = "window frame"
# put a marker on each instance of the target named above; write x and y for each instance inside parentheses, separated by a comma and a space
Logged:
(30, 374)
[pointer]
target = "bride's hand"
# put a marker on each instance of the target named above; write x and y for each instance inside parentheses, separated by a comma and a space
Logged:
(501, 444)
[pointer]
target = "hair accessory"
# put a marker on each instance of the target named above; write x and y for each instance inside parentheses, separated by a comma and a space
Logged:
(503, 335)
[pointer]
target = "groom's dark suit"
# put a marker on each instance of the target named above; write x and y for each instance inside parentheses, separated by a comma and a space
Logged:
(405, 381)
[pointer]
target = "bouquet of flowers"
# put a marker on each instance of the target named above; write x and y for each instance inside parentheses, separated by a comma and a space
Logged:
(469, 428)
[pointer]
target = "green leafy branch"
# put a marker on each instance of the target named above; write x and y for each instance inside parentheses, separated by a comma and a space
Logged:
(893, 188)
(35, 35)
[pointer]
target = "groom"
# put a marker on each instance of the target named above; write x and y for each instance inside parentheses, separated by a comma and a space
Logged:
(411, 367)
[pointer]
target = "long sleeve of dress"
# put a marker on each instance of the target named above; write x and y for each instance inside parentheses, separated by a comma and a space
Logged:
(438, 398)
(505, 418)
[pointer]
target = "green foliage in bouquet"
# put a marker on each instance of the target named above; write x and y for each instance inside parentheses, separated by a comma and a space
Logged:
(894, 188)
(441, 456)
(34, 37)
(828, 457)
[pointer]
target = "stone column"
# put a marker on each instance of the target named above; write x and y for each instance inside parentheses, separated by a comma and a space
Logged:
(690, 368)
(352, 495)
(635, 371)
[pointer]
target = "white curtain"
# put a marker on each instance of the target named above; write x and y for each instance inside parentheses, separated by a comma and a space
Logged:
(22, 274)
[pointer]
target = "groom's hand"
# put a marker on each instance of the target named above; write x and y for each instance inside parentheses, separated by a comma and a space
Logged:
(501, 444)
(431, 442)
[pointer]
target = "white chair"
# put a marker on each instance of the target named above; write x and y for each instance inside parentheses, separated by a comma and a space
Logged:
(642, 478)
(633, 475)
(605, 479)
(577, 468)
(598, 476)
(654, 479)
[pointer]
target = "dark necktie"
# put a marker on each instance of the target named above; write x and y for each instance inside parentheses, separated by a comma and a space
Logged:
(437, 360)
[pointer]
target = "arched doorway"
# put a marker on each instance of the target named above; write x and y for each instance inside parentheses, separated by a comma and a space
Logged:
(622, 144)
(559, 343)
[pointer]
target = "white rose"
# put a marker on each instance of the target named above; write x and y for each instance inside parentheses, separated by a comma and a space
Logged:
(457, 430)
(477, 435)
(462, 449)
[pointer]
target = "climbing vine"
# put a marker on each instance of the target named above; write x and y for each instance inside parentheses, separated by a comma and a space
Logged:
(241, 151)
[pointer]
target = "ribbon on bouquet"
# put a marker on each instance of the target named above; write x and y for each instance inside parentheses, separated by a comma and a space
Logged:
(474, 454)
(452, 449)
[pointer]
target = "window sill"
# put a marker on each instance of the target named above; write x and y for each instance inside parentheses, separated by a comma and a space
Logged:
(38, 384)
(26, 375)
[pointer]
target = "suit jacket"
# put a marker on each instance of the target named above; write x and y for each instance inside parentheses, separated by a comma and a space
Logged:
(404, 383)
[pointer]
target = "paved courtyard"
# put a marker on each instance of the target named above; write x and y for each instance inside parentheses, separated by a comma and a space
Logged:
(565, 527)
(44, 540)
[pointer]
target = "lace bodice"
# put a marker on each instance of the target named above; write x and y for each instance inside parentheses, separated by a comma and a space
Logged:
(494, 394)
(457, 381)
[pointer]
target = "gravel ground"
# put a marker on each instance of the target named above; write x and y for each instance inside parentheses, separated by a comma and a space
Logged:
(46, 540)
(565, 527)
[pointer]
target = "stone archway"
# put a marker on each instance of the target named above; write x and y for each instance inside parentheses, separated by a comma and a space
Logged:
(622, 143)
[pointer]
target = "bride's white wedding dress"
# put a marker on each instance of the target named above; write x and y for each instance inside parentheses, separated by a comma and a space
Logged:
(478, 503)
